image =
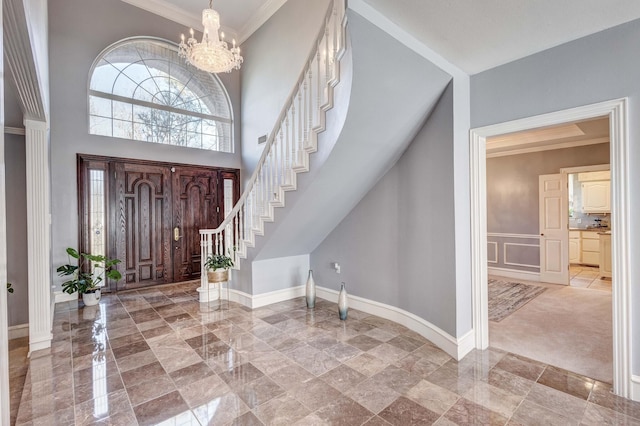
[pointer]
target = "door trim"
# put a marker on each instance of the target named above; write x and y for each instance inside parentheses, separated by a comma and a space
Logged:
(617, 111)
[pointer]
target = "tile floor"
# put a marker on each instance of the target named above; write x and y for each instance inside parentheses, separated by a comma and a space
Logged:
(588, 277)
(159, 357)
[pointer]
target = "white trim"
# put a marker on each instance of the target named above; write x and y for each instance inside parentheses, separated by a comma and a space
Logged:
(504, 251)
(559, 145)
(170, 12)
(521, 236)
(262, 15)
(635, 388)
(580, 169)
(514, 274)
(456, 348)
(617, 111)
(62, 297)
(14, 131)
(17, 331)
(495, 243)
(264, 299)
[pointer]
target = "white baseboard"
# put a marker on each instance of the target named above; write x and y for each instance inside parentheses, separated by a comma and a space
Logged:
(516, 275)
(61, 296)
(456, 348)
(635, 388)
(264, 299)
(17, 331)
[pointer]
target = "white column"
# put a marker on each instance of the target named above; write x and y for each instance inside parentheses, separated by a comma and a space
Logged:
(38, 234)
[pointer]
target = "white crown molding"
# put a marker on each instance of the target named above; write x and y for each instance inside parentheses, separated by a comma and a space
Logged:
(549, 147)
(168, 11)
(14, 131)
(261, 16)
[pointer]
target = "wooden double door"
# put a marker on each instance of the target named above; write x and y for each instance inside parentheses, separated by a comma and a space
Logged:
(153, 213)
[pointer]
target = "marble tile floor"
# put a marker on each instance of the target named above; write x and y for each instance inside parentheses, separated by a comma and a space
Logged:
(158, 357)
(18, 367)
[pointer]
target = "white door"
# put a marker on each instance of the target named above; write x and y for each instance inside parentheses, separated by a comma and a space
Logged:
(554, 235)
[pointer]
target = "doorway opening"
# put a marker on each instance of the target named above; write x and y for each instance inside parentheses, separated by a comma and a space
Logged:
(533, 310)
(149, 215)
(616, 111)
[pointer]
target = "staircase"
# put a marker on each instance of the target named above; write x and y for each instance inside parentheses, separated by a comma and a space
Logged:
(293, 139)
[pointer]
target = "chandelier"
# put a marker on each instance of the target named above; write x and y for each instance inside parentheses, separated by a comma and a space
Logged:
(212, 54)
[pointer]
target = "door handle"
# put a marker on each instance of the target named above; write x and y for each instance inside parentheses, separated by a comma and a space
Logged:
(176, 234)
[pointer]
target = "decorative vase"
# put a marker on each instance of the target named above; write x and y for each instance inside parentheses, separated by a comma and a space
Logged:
(92, 298)
(343, 307)
(310, 291)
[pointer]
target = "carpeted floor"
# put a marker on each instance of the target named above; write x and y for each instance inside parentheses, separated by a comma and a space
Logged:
(507, 297)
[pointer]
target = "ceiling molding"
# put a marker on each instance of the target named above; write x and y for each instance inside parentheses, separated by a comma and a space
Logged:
(261, 16)
(19, 55)
(14, 130)
(560, 145)
(168, 11)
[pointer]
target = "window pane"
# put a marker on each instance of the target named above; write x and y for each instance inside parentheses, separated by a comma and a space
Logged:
(122, 129)
(122, 111)
(99, 106)
(97, 214)
(99, 126)
(228, 196)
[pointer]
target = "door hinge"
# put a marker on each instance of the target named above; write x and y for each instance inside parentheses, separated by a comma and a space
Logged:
(218, 209)
(115, 175)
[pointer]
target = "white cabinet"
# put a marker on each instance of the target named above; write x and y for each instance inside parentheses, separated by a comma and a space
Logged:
(574, 246)
(605, 255)
(590, 250)
(596, 197)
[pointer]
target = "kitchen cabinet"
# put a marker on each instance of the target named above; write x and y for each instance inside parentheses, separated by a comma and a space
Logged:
(574, 246)
(605, 255)
(590, 249)
(596, 196)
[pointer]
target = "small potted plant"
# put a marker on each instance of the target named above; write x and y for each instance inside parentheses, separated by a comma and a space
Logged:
(217, 266)
(87, 275)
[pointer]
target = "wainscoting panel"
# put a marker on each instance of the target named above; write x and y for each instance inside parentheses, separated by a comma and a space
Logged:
(513, 252)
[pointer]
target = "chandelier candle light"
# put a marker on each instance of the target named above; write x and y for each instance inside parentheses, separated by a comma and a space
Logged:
(212, 54)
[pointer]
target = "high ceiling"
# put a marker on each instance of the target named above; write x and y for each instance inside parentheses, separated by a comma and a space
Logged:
(474, 35)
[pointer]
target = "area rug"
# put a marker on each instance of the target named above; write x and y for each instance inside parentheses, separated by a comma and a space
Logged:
(507, 297)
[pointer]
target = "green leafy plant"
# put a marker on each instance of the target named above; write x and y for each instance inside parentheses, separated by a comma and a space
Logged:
(9, 288)
(90, 271)
(218, 261)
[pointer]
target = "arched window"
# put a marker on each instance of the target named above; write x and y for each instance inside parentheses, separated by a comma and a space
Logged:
(140, 89)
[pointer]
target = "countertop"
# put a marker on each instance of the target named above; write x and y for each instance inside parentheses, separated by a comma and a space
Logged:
(591, 229)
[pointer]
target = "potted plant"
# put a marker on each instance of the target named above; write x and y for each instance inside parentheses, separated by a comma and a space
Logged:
(87, 275)
(217, 266)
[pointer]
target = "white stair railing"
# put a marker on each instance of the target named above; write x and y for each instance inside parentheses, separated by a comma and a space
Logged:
(294, 137)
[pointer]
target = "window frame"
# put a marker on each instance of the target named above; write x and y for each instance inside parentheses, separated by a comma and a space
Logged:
(159, 107)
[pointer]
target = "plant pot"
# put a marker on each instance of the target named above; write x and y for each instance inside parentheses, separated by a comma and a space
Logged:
(91, 298)
(218, 276)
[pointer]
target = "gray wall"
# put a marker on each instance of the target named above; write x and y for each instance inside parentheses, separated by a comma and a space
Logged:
(15, 156)
(597, 68)
(76, 38)
(512, 198)
(273, 58)
(396, 245)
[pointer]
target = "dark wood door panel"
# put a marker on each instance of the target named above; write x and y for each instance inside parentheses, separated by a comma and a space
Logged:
(195, 207)
(144, 226)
